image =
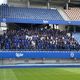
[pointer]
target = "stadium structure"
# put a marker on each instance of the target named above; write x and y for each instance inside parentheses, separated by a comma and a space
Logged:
(40, 33)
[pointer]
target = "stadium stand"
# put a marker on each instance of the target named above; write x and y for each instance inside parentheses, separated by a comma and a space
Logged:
(34, 15)
(73, 13)
(38, 40)
(41, 43)
(30, 13)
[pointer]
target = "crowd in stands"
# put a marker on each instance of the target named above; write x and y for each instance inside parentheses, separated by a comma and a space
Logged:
(24, 39)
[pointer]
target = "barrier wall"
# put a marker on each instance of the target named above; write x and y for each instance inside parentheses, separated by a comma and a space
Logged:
(42, 66)
(16, 20)
(40, 54)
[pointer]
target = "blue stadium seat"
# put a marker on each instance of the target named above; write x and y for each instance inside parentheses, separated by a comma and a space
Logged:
(29, 13)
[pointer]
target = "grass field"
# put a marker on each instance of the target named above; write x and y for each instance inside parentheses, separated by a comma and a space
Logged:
(40, 74)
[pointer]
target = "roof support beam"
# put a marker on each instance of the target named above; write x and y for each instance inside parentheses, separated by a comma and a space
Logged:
(28, 3)
(48, 5)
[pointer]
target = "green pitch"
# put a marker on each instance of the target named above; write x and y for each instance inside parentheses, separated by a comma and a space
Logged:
(40, 74)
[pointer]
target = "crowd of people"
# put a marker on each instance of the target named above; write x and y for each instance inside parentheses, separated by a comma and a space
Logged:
(24, 39)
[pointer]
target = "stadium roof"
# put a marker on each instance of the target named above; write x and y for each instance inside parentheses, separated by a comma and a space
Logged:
(32, 15)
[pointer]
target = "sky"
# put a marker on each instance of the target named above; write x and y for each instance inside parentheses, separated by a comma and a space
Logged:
(3, 2)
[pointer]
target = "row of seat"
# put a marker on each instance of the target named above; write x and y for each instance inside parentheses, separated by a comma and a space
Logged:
(73, 13)
(29, 13)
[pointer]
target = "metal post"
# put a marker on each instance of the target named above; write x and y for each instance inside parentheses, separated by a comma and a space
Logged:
(67, 6)
(69, 1)
(48, 5)
(74, 29)
(28, 3)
